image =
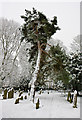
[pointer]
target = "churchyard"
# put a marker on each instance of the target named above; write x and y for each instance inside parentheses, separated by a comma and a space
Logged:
(46, 104)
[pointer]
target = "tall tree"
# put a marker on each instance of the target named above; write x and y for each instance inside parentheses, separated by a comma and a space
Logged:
(37, 30)
(55, 67)
(75, 68)
(9, 47)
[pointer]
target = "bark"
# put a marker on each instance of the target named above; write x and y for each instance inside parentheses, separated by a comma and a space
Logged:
(35, 74)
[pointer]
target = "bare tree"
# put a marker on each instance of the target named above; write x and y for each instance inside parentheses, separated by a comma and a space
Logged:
(10, 44)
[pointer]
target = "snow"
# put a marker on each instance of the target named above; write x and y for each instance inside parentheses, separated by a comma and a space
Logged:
(52, 105)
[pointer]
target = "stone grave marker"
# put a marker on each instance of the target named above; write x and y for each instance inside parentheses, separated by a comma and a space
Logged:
(17, 101)
(5, 94)
(21, 98)
(37, 104)
(12, 92)
(9, 94)
(75, 99)
(25, 97)
(20, 93)
(69, 99)
(0, 90)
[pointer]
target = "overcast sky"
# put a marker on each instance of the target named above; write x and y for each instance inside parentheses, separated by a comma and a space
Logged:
(68, 15)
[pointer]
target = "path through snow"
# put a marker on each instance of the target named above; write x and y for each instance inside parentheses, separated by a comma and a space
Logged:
(53, 105)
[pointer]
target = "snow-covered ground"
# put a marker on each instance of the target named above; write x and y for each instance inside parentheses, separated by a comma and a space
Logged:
(52, 105)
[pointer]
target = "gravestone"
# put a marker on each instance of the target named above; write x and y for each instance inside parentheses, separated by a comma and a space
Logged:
(5, 94)
(12, 92)
(21, 92)
(17, 101)
(37, 104)
(0, 90)
(69, 99)
(75, 99)
(9, 94)
(25, 97)
(21, 98)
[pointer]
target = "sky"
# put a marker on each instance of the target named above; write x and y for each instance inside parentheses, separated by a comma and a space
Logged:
(67, 12)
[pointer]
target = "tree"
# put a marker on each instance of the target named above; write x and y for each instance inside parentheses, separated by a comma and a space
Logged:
(76, 45)
(9, 48)
(55, 67)
(37, 30)
(75, 68)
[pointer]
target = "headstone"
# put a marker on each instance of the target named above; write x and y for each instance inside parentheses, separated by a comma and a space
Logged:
(37, 104)
(0, 90)
(75, 99)
(17, 101)
(12, 91)
(33, 95)
(21, 92)
(5, 94)
(21, 98)
(9, 94)
(69, 97)
(25, 97)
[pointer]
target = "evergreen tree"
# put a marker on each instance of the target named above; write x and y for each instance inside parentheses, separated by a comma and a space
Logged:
(37, 30)
(56, 67)
(75, 68)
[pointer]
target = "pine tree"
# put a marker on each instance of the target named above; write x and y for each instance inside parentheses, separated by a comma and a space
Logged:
(75, 68)
(37, 30)
(55, 67)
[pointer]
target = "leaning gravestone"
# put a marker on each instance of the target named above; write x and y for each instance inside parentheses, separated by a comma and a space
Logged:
(21, 92)
(5, 94)
(75, 99)
(21, 98)
(17, 101)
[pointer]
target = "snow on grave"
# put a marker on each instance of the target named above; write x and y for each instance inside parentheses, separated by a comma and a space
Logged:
(75, 99)
(11, 93)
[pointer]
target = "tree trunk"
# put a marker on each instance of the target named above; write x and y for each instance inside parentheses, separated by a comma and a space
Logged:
(35, 74)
